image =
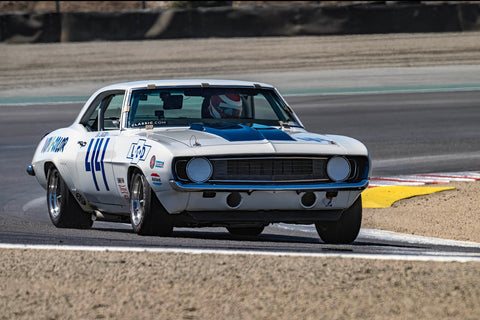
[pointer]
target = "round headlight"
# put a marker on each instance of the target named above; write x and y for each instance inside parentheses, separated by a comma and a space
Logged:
(338, 168)
(199, 170)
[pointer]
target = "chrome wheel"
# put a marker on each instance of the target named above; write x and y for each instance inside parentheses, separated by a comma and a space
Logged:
(147, 215)
(137, 200)
(54, 195)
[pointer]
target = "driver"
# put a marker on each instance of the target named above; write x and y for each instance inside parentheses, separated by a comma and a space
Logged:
(225, 106)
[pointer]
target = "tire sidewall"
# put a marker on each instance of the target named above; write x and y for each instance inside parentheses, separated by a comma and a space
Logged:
(346, 229)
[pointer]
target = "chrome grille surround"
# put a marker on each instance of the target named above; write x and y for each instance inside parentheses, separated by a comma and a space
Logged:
(271, 170)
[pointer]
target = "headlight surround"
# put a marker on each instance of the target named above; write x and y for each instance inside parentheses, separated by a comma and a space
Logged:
(199, 170)
(338, 169)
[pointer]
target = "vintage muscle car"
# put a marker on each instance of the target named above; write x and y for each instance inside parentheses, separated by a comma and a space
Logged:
(194, 153)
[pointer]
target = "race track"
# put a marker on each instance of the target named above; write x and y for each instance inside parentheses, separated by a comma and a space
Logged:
(405, 133)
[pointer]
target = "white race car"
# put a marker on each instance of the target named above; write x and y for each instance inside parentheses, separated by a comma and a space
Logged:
(197, 153)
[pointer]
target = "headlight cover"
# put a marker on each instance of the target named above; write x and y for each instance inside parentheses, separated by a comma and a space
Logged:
(338, 169)
(199, 170)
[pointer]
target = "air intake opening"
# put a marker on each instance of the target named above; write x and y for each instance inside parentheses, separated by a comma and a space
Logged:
(308, 199)
(234, 199)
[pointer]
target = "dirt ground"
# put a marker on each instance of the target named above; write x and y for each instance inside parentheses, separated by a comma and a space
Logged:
(451, 214)
(112, 285)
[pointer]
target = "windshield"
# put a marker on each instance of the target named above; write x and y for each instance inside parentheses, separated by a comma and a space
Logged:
(184, 106)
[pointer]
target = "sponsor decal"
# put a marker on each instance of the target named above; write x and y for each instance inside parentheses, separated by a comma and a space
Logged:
(152, 162)
(54, 144)
(94, 160)
(138, 151)
(156, 179)
(328, 202)
(149, 123)
(101, 134)
(159, 164)
(122, 187)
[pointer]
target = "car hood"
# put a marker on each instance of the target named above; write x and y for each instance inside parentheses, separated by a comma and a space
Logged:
(238, 138)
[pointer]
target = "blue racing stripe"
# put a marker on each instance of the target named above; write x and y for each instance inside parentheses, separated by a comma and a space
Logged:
(92, 163)
(240, 132)
(103, 167)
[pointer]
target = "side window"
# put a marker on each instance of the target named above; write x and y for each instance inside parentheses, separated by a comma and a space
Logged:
(92, 122)
(109, 117)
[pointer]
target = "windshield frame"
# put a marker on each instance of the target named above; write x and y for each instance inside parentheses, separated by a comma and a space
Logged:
(277, 103)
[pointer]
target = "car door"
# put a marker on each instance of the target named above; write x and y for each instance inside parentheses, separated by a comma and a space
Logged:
(96, 149)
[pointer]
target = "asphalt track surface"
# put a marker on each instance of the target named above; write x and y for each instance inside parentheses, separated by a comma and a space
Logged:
(404, 132)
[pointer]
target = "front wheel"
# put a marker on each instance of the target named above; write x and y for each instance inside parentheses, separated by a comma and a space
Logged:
(346, 229)
(63, 209)
(147, 215)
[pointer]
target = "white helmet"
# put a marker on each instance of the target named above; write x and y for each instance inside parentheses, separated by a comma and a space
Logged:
(225, 106)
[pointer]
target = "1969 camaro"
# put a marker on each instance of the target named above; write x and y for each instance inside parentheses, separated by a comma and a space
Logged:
(197, 153)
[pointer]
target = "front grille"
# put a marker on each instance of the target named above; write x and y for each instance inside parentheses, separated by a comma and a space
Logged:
(269, 170)
(272, 170)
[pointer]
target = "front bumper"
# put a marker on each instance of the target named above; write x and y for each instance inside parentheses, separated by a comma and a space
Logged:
(200, 187)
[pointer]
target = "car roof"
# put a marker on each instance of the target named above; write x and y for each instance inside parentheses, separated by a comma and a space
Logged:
(184, 83)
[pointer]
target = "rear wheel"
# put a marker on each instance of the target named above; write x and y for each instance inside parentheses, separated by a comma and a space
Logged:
(147, 215)
(344, 230)
(246, 231)
(63, 209)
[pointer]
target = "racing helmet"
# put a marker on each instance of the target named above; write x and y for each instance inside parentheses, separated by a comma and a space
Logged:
(227, 105)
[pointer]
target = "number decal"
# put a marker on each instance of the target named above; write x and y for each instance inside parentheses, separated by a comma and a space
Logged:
(96, 149)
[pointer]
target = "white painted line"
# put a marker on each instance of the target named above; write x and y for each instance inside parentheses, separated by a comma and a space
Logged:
(450, 177)
(430, 256)
(375, 234)
(379, 183)
(409, 179)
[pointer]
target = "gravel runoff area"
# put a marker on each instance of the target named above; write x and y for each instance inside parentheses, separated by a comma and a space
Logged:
(114, 285)
(34, 65)
(86, 285)
(451, 214)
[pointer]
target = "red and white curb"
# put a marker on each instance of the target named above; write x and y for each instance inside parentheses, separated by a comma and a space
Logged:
(423, 179)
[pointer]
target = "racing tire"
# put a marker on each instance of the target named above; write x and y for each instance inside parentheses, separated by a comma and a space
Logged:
(346, 229)
(147, 215)
(245, 231)
(63, 209)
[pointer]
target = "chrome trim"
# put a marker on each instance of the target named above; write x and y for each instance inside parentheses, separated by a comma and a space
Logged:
(264, 181)
(178, 186)
(268, 158)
